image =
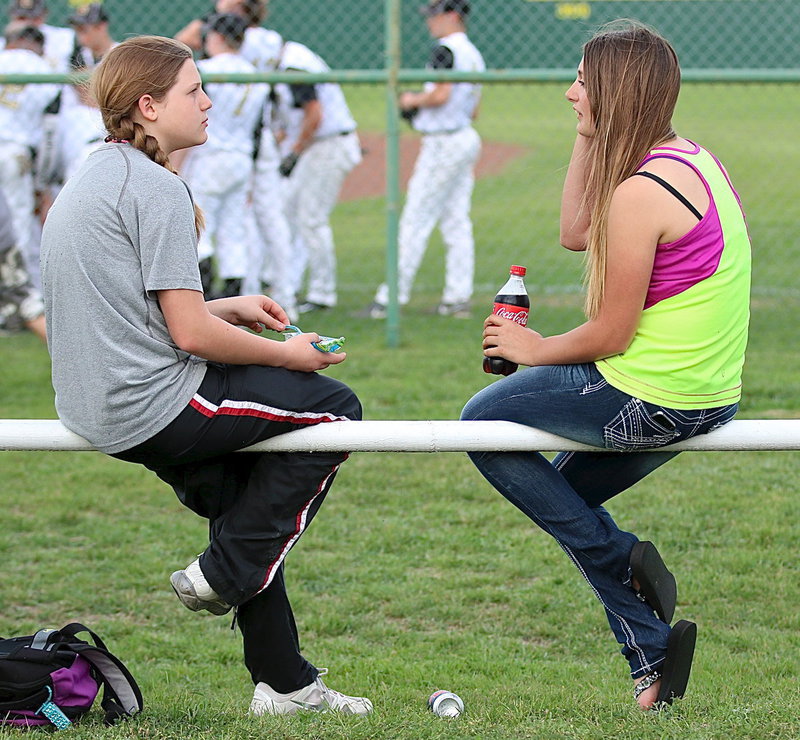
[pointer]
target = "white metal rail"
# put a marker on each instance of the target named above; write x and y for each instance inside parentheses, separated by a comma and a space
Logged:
(425, 436)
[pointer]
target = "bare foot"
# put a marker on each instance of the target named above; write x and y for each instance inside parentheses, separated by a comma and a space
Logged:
(648, 697)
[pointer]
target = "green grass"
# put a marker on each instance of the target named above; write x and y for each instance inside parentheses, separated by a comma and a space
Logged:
(416, 575)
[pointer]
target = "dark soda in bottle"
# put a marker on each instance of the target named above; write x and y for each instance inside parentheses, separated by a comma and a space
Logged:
(511, 302)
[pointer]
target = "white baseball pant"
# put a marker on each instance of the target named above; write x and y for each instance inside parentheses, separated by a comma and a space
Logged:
(220, 181)
(439, 191)
(16, 181)
(276, 263)
(313, 189)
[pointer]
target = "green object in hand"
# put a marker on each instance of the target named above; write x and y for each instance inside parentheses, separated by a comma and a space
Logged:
(329, 344)
(324, 344)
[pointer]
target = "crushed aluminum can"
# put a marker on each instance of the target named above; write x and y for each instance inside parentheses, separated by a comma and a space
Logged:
(445, 704)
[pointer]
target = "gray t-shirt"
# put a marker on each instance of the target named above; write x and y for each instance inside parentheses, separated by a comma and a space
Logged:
(121, 229)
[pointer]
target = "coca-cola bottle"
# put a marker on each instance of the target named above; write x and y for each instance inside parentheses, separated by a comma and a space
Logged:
(511, 302)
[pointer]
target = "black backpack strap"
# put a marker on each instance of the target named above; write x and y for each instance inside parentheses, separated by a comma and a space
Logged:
(121, 693)
(72, 630)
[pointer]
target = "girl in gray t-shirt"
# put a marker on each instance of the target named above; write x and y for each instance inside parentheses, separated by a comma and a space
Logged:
(150, 372)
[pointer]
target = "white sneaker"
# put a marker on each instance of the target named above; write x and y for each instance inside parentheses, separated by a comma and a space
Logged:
(316, 697)
(461, 310)
(194, 591)
(374, 310)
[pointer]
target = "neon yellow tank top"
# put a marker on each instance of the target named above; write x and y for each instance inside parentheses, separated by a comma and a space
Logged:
(688, 350)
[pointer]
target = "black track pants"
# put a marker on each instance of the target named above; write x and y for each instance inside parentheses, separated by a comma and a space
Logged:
(257, 504)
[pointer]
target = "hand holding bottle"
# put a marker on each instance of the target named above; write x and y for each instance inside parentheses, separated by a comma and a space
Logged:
(511, 302)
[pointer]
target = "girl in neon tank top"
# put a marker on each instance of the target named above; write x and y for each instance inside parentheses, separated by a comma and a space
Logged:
(660, 356)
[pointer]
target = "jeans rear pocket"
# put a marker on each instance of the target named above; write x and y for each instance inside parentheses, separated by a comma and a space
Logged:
(634, 428)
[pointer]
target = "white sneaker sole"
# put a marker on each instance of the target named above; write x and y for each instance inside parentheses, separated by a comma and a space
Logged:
(263, 708)
(318, 698)
(184, 590)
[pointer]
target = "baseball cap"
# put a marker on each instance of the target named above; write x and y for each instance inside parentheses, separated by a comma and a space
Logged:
(27, 8)
(21, 31)
(86, 15)
(229, 25)
(437, 7)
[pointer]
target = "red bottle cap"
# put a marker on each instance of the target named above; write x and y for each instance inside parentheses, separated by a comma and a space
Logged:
(518, 270)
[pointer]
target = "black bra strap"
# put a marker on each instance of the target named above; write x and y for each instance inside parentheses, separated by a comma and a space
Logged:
(672, 190)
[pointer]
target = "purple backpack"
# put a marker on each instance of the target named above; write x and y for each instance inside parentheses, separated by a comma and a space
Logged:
(52, 678)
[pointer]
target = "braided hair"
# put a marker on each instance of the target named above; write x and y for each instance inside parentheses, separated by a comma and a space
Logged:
(143, 65)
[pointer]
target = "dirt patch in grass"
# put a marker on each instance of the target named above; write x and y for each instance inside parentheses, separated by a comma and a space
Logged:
(368, 179)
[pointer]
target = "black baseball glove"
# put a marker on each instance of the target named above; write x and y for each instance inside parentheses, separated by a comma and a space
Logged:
(408, 114)
(288, 163)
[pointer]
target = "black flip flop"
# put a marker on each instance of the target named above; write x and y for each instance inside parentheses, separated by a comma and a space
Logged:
(678, 664)
(656, 584)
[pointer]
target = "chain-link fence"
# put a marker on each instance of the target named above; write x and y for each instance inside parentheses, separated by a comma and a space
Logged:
(523, 34)
(741, 60)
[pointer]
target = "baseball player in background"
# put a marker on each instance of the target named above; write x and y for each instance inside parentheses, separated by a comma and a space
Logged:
(269, 242)
(22, 109)
(63, 54)
(440, 188)
(262, 46)
(319, 148)
(60, 44)
(91, 30)
(79, 131)
(220, 173)
(81, 128)
(73, 127)
(271, 247)
(21, 304)
(193, 34)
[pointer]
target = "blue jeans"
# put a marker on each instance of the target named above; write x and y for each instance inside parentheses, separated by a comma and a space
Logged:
(565, 497)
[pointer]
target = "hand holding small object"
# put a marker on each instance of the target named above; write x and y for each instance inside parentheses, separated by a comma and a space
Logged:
(323, 344)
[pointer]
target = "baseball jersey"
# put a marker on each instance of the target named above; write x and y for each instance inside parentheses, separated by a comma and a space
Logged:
(236, 108)
(336, 116)
(59, 46)
(80, 132)
(456, 113)
(688, 350)
(262, 48)
(22, 106)
(121, 229)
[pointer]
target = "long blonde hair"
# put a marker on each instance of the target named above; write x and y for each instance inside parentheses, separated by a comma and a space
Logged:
(143, 65)
(632, 80)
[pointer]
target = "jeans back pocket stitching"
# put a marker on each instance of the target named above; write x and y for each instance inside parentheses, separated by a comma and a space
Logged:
(626, 431)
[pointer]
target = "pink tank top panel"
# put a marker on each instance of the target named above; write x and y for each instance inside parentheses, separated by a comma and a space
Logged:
(680, 264)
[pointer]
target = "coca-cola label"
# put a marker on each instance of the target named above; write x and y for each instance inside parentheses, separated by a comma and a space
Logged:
(518, 314)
